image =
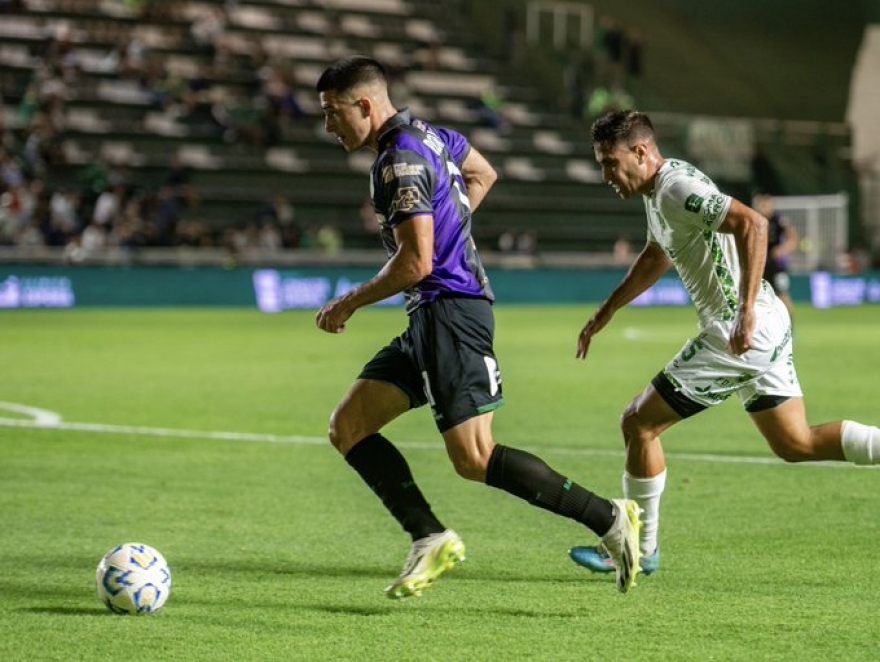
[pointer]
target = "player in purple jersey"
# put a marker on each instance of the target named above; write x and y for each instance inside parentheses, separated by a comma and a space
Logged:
(425, 183)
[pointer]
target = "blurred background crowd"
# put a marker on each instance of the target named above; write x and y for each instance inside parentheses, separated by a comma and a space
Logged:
(129, 124)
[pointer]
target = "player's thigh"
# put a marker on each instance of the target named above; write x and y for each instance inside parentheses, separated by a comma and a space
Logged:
(368, 406)
(784, 426)
(454, 348)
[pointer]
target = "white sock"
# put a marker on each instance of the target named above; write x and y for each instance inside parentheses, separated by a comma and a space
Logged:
(860, 443)
(646, 492)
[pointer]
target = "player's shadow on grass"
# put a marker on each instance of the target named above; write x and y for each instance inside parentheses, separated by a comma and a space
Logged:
(378, 572)
(424, 603)
(350, 610)
(263, 567)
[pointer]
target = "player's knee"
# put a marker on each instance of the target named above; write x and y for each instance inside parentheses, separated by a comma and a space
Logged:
(791, 449)
(470, 466)
(634, 432)
(334, 433)
(790, 455)
(342, 431)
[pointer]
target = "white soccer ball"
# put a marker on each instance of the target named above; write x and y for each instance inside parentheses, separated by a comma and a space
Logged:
(133, 579)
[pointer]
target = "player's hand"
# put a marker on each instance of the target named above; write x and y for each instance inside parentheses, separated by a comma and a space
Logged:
(333, 316)
(597, 323)
(743, 329)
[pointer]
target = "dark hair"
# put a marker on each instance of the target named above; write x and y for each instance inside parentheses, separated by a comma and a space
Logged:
(350, 72)
(621, 125)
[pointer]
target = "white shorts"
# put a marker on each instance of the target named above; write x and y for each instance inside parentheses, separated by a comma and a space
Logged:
(707, 372)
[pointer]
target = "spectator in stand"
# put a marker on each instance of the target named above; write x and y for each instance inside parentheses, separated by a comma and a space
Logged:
(109, 206)
(329, 239)
(634, 50)
(238, 118)
(577, 80)
(31, 193)
(280, 214)
(179, 179)
(64, 211)
(208, 27)
(8, 141)
(160, 215)
(604, 100)
(43, 147)
(11, 172)
(36, 213)
(608, 42)
(73, 252)
(278, 90)
(93, 239)
(30, 236)
(134, 62)
(622, 252)
(427, 54)
(10, 216)
(490, 110)
(269, 238)
(192, 233)
(128, 234)
(163, 90)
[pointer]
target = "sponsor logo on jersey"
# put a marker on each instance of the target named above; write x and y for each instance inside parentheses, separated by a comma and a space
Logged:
(398, 170)
(693, 203)
(713, 207)
(406, 199)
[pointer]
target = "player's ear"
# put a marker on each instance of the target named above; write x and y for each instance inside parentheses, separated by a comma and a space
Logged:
(366, 106)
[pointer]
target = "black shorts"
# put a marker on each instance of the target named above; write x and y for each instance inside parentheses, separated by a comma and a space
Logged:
(444, 358)
(778, 278)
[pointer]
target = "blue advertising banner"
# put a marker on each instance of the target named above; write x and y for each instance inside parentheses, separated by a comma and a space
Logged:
(276, 290)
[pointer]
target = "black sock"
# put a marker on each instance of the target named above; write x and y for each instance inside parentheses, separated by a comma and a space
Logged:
(528, 477)
(385, 470)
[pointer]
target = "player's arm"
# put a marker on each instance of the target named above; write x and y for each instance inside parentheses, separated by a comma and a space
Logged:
(412, 262)
(749, 230)
(647, 269)
(479, 176)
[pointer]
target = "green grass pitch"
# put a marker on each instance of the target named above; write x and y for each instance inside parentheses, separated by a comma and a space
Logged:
(200, 432)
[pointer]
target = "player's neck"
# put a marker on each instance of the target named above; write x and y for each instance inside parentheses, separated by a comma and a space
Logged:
(379, 123)
(655, 163)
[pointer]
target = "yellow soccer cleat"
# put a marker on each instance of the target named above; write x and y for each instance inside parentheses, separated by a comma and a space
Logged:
(622, 543)
(429, 558)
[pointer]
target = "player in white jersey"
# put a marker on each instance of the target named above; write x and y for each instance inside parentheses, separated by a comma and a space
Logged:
(744, 346)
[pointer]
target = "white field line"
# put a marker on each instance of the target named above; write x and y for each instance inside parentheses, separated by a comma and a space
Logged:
(47, 420)
(637, 334)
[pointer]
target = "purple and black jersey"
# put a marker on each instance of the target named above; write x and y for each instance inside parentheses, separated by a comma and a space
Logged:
(418, 172)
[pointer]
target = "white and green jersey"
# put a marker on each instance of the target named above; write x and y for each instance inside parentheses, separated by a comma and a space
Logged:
(684, 212)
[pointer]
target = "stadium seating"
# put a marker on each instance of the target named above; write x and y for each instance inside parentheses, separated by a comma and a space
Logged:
(548, 183)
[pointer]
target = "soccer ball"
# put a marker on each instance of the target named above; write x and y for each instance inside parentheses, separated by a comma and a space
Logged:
(133, 579)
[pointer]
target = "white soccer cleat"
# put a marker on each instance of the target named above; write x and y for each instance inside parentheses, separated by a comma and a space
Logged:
(428, 559)
(622, 543)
